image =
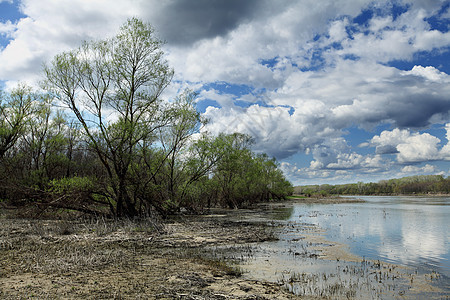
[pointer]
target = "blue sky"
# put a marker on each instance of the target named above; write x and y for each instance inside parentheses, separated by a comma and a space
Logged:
(337, 90)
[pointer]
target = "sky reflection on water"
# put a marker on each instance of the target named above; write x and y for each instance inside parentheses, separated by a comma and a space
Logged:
(411, 231)
(385, 248)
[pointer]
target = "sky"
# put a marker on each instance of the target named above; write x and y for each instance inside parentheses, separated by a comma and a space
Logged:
(337, 91)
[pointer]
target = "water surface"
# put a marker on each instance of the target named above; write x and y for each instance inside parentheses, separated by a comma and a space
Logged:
(409, 232)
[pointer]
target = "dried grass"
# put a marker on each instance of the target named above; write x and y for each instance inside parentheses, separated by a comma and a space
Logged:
(53, 246)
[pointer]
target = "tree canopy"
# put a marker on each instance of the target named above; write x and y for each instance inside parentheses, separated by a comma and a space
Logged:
(116, 147)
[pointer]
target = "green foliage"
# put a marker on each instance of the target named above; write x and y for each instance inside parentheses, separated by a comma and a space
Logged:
(421, 184)
(15, 111)
(122, 148)
(71, 185)
(126, 74)
(242, 177)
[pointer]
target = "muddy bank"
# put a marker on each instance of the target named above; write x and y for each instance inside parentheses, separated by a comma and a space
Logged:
(326, 200)
(102, 259)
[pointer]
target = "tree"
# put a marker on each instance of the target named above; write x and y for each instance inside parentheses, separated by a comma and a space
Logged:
(175, 140)
(168, 172)
(243, 178)
(113, 87)
(199, 188)
(229, 168)
(15, 111)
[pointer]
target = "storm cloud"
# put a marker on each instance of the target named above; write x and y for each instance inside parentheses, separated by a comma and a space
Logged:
(183, 22)
(298, 76)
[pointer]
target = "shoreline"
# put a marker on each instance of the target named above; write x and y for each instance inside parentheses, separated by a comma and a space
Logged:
(326, 200)
(308, 245)
(375, 195)
(129, 260)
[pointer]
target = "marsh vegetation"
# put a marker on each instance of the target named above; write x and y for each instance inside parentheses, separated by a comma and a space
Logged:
(129, 259)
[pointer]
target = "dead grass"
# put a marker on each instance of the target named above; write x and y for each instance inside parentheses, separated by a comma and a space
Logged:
(126, 259)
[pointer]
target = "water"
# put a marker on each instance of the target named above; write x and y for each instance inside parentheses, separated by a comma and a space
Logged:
(397, 246)
(410, 231)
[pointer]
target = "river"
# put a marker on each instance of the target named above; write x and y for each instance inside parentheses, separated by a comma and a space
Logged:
(383, 248)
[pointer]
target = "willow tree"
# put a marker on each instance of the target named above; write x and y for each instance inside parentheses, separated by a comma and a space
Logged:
(16, 111)
(16, 108)
(113, 87)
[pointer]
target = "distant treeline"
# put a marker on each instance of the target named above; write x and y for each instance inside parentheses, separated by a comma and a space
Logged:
(422, 184)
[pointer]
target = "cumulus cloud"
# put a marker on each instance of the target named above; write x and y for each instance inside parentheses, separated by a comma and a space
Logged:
(264, 124)
(337, 162)
(346, 92)
(51, 27)
(427, 169)
(429, 73)
(342, 170)
(418, 148)
(445, 152)
(282, 34)
(311, 71)
(7, 28)
(352, 93)
(367, 94)
(410, 147)
(387, 141)
(385, 39)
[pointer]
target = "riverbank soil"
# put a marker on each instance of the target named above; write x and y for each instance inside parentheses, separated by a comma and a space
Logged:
(104, 259)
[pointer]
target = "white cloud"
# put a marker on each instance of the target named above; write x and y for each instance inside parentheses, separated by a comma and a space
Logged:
(390, 39)
(338, 31)
(264, 124)
(366, 94)
(380, 23)
(347, 161)
(370, 163)
(7, 28)
(335, 162)
(445, 152)
(429, 73)
(387, 141)
(292, 54)
(418, 148)
(427, 169)
(224, 100)
(410, 147)
(51, 27)
(235, 57)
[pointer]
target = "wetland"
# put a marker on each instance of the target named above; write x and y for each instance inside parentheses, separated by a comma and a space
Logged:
(339, 248)
(376, 248)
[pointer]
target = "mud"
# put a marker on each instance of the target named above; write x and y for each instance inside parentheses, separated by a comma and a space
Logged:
(185, 257)
(48, 259)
